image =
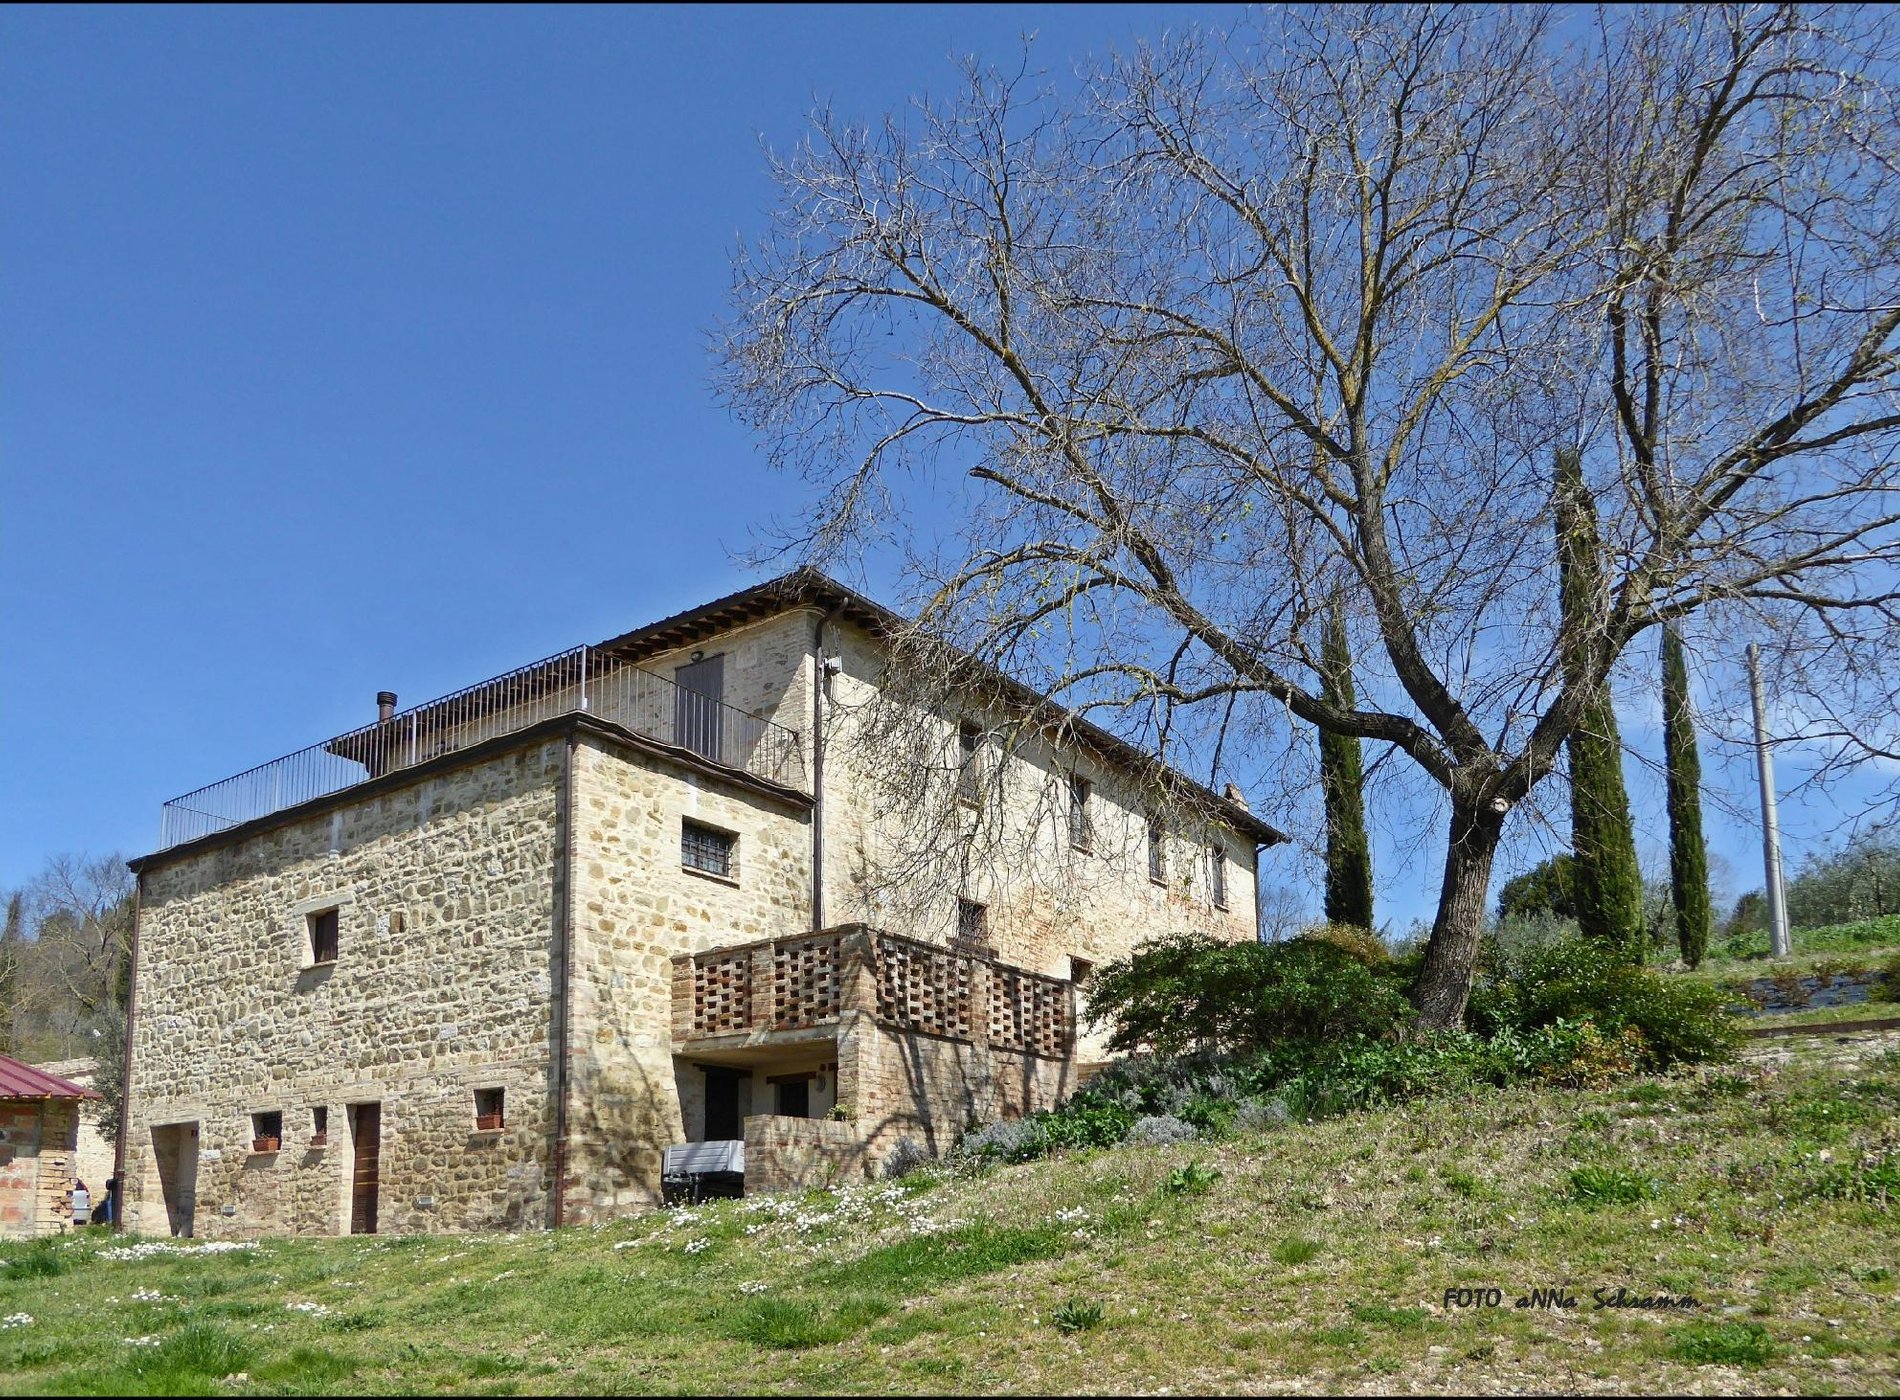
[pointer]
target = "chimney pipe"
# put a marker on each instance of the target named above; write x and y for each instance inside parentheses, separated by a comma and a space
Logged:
(385, 706)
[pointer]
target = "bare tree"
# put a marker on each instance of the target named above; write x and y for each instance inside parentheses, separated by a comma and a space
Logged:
(1241, 320)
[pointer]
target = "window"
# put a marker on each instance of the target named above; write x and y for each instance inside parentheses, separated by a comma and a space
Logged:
(1157, 853)
(1081, 829)
(488, 1110)
(973, 923)
(794, 1095)
(267, 1131)
(323, 937)
(319, 1126)
(704, 848)
(969, 762)
(1080, 969)
(1217, 875)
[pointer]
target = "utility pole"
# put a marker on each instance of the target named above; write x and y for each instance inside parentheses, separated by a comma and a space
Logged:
(1779, 944)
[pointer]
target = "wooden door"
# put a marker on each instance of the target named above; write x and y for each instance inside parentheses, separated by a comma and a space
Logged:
(698, 705)
(366, 1136)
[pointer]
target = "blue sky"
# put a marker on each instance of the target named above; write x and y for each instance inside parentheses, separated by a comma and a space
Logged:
(346, 350)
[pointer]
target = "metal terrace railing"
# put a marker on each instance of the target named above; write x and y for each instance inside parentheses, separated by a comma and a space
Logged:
(581, 680)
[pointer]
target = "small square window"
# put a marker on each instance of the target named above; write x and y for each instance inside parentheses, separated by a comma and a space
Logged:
(323, 939)
(1081, 824)
(1080, 969)
(973, 923)
(488, 1110)
(267, 1131)
(705, 848)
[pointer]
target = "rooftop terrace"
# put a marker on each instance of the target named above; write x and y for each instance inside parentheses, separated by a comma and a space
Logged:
(583, 680)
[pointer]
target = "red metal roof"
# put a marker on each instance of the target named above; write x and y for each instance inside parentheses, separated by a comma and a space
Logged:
(23, 1081)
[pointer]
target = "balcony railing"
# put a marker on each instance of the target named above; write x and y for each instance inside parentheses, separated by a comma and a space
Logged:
(581, 680)
(815, 979)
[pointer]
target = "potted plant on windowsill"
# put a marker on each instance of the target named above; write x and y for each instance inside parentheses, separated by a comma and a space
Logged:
(319, 1139)
(488, 1122)
(265, 1144)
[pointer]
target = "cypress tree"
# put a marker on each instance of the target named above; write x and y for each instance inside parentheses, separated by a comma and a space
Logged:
(1342, 782)
(1688, 856)
(1609, 885)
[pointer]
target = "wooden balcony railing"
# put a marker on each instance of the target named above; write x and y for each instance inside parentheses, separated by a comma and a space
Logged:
(759, 991)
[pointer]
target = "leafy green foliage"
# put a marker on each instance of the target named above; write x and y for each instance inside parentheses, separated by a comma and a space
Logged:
(790, 1324)
(1610, 1186)
(1688, 854)
(1186, 992)
(1609, 884)
(1194, 1179)
(1680, 1020)
(1547, 888)
(1077, 1315)
(1295, 1250)
(1723, 1344)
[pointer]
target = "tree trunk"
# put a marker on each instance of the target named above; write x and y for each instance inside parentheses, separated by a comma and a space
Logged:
(1445, 980)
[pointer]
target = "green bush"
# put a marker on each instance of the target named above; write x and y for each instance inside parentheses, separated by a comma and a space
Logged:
(1077, 1315)
(1186, 992)
(1680, 1020)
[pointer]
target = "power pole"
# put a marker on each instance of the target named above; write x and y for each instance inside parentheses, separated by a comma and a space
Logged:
(1779, 943)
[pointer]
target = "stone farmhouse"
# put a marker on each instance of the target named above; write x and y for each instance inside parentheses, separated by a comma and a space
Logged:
(502, 960)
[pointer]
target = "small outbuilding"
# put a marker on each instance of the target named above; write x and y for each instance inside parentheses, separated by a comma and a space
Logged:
(39, 1146)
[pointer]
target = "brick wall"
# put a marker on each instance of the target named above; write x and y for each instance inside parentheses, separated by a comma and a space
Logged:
(38, 1141)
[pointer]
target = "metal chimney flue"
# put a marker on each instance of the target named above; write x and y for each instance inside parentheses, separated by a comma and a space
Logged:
(385, 706)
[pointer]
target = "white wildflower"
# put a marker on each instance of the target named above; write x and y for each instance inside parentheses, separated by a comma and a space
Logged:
(17, 1320)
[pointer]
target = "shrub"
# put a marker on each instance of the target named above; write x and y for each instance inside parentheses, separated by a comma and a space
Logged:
(1011, 1140)
(1680, 1020)
(1260, 1116)
(1195, 1179)
(1361, 945)
(905, 1158)
(1077, 1315)
(1159, 1130)
(1188, 992)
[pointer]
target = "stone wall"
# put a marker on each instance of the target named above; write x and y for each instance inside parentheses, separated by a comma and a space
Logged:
(801, 1154)
(445, 893)
(95, 1153)
(904, 1085)
(1049, 904)
(37, 1151)
(635, 907)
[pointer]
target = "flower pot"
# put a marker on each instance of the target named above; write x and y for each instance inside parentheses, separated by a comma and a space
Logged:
(319, 1139)
(487, 1122)
(265, 1144)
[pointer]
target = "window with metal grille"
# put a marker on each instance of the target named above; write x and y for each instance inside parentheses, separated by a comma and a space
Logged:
(1081, 826)
(706, 848)
(323, 937)
(1217, 875)
(969, 760)
(973, 922)
(1157, 853)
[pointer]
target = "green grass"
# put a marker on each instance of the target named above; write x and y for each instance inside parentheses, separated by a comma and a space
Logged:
(1865, 936)
(1317, 1260)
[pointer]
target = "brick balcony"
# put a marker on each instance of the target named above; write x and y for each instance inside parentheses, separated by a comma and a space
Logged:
(786, 991)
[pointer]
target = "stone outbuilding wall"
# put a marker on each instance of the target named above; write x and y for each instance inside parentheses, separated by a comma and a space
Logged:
(38, 1147)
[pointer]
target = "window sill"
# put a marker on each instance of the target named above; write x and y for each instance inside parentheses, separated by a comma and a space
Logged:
(319, 966)
(1087, 848)
(712, 875)
(487, 1132)
(1161, 880)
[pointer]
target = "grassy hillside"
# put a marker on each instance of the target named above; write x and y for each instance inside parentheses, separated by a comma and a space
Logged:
(1318, 1257)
